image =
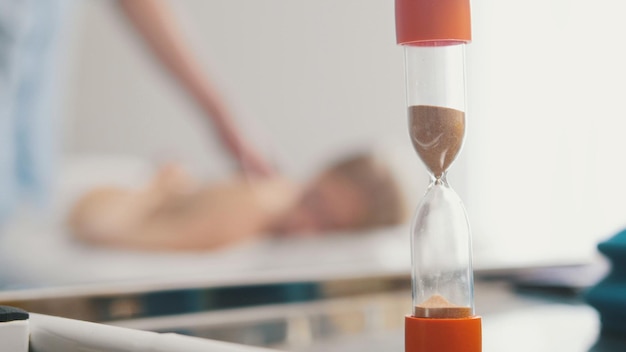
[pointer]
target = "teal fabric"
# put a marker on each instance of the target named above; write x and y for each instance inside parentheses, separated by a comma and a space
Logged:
(609, 295)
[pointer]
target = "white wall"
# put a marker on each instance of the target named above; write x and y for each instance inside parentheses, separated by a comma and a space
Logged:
(547, 87)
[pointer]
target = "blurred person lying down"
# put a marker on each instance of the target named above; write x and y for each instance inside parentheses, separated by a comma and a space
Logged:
(174, 212)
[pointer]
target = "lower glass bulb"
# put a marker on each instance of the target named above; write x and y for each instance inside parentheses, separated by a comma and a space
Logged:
(441, 255)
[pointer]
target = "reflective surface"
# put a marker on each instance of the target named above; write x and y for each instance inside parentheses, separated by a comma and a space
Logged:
(368, 323)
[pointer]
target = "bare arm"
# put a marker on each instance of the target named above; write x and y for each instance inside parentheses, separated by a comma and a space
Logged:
(153, 20)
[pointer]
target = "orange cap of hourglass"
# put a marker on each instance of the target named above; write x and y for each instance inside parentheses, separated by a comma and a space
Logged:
(427, 21)
(433, 33)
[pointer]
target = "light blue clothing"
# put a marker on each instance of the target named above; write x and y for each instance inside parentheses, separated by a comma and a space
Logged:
(28, 105)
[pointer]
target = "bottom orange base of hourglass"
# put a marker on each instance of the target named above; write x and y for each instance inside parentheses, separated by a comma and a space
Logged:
(443, 335)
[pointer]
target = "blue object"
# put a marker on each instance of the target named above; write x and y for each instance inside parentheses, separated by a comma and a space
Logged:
(608, 297)
(28, 105)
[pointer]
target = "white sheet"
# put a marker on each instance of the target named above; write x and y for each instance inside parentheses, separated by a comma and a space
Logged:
(42, 255)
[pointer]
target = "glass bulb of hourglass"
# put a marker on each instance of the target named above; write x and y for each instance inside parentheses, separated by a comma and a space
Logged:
(442, 273)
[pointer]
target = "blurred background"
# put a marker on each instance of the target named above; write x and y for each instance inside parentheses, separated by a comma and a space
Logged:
(313, 80)
(308, 82)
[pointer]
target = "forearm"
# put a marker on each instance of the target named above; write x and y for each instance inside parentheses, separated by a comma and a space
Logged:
(153, 20)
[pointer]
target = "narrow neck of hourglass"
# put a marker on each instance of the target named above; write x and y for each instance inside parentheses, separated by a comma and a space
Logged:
(440, 180)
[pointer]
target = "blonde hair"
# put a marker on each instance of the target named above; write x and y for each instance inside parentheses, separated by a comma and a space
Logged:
(386, 205)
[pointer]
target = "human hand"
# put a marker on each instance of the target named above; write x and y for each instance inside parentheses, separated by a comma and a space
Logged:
(251, 161)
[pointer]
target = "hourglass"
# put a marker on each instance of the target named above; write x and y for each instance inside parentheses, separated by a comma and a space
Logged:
(434, 34)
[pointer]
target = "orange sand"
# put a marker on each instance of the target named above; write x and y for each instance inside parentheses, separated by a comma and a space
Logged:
(437, 306)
